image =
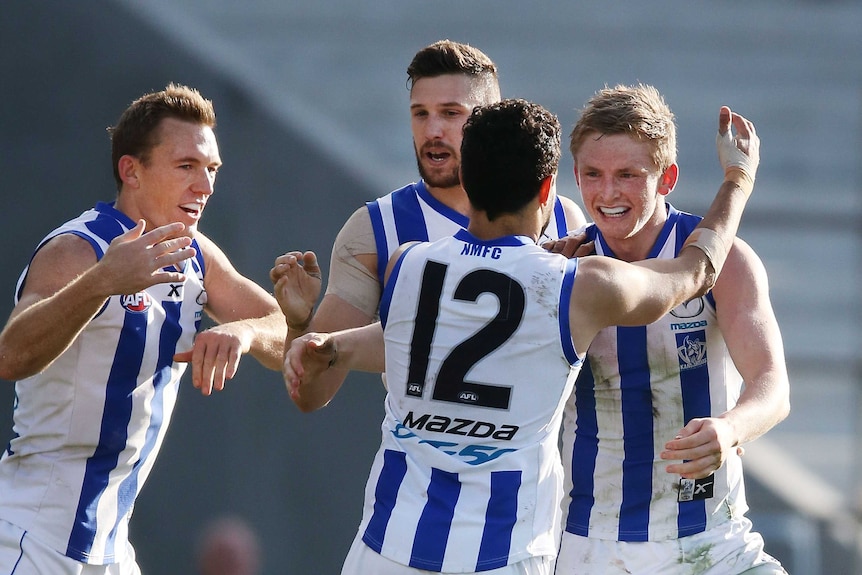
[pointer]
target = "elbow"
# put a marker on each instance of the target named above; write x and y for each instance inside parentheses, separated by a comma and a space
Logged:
(12, 367)
(706, 281)
(784, 410)
(306, 406)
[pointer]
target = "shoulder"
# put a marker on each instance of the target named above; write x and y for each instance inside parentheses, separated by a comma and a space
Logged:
(215, 259)
(58, 261)
(65, 250)
(357, 225)
(396, 256)
(743, 274)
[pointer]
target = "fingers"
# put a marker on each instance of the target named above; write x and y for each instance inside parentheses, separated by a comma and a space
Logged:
(696, 469)
(283, 264)
(738, 154)
(309, 262)
(574, 246)
(307, 358)
(288, 262)
(724, 115)
(214, 361)
(161, 233)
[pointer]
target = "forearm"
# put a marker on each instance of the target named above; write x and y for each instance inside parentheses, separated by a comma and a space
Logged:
(267, 339)
(327, 359)
(763, 404)
(714, 235)
(360, 349)
(42, 330)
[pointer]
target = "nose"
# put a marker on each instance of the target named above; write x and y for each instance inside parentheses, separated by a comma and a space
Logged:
(607, 188)
(205, 182)
(434, 127)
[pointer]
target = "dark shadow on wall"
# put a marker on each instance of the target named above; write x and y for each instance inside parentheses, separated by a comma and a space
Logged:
(69, 69)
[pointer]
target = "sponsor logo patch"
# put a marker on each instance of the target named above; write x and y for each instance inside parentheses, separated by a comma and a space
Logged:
(696, 489)
(137, 302)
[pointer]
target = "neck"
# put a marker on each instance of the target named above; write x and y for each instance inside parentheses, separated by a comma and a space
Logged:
(454, 197)
(519, 224)
(637, 246)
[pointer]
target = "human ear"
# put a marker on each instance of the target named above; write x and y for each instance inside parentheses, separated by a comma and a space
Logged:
(128, 169)
(668, 179)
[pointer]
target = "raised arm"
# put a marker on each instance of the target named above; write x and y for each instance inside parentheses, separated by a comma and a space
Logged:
(610, 292)
(66, 286)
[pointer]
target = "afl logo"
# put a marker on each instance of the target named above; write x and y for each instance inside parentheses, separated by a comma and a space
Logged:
(137, 302)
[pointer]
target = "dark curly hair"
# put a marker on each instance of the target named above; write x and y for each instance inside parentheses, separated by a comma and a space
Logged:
(508, 149)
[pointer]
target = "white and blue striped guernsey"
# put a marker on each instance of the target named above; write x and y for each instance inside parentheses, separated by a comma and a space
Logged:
(468, 476)
(637, 389)
(411, 213)
(88, 429)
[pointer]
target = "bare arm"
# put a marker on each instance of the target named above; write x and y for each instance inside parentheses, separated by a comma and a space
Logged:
(351, 300)
(313, 354)
(249, 322)
(753, 338)
(66, 286)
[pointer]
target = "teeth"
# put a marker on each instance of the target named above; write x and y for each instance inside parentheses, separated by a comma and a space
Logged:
(192, 207)
(612, 211)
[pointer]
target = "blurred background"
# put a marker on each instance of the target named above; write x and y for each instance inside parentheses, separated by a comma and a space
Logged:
(313, 121)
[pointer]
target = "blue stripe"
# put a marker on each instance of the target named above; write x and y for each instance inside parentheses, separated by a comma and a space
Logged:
(460, 219)
(117, 413)
(168, 338)
(563, 317)
(636, 397)
(584, 452)
(432, 532)
(694, 382)
(500, 520)
(104, 228)
(385, 494)
(379, 238)
(560, 217)
(409, 221)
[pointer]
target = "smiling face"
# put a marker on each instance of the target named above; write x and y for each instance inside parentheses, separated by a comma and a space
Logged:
(623, 191)
(176, 181)
(439, 106)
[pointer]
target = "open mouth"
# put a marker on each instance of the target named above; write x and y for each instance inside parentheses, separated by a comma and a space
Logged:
(193, 209)
(613, 212)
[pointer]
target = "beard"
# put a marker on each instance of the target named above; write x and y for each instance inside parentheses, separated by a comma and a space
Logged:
(438, 178)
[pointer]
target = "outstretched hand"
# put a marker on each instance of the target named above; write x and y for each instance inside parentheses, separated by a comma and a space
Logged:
(296, 280)
(136, 260)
